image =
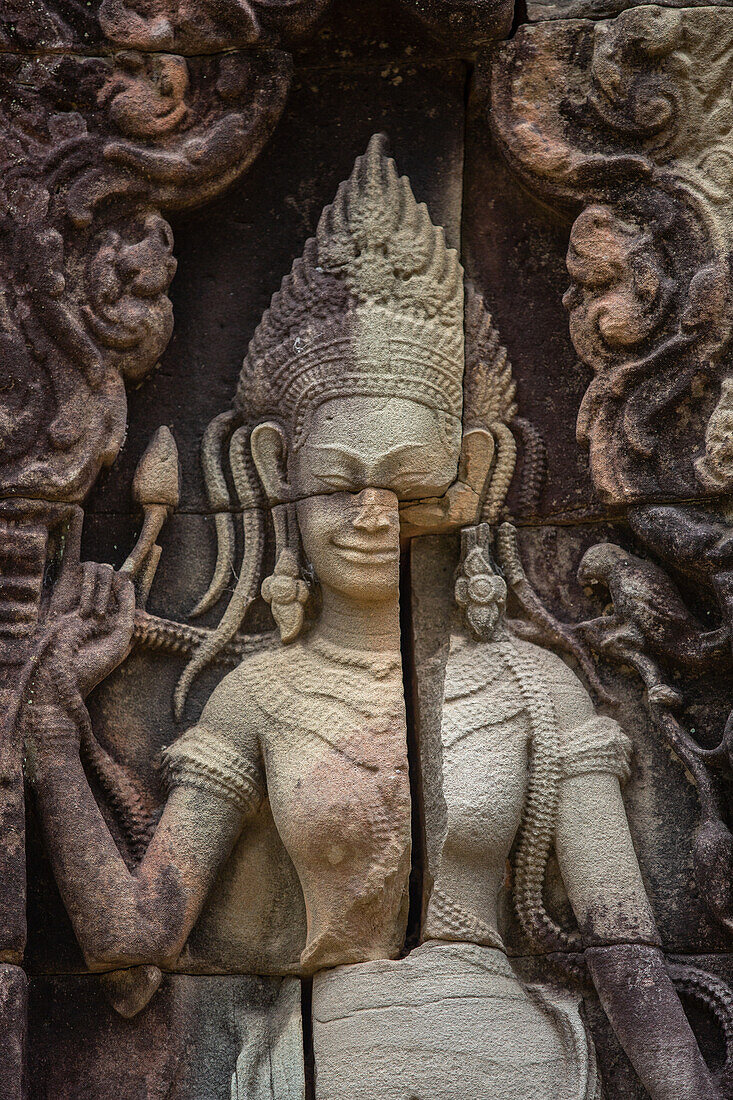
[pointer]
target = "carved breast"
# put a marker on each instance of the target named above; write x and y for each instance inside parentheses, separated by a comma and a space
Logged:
(337, 777)
(484, 766)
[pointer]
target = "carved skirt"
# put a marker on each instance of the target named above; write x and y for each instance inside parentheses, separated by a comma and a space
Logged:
(452, 1021)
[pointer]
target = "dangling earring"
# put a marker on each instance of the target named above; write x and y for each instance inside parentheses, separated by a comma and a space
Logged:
(479, 590)
(285, 590)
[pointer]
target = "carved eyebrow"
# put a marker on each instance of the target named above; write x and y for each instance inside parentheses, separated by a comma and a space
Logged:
(347, 452)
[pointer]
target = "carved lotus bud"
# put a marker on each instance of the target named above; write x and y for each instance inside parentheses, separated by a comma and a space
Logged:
(157, 474)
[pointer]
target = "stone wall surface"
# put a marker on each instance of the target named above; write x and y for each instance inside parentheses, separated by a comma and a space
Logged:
(366, 568)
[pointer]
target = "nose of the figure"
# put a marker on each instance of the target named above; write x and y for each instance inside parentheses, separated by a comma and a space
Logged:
(375, 510)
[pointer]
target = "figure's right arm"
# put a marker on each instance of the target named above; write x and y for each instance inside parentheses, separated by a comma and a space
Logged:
(123, 917)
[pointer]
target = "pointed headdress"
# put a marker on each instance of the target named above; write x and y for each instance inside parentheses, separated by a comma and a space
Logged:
(373, 307)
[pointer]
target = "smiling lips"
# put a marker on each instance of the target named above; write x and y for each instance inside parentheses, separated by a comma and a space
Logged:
(376, 552)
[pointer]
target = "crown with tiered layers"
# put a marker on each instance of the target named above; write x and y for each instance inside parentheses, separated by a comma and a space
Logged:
(374, 307)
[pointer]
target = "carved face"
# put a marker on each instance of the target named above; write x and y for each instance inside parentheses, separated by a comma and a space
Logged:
(352, 541)
(355, 443)
(360, 457)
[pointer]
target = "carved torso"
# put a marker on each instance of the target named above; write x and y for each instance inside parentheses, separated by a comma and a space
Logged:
(321, 733)
(492, 698)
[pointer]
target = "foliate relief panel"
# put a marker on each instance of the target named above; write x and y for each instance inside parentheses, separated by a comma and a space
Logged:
(649, 313)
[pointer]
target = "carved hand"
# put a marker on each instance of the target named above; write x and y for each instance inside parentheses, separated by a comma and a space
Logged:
(89, 631)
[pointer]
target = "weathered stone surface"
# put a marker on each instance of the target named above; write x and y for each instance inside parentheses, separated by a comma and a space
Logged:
(241, 928)
(160, 133)
(519, 730)
(598, 9)
(93, 150)
(514, 252)
(703, 983)
(647, 263)
(163, 27)
(661, 803)
(451, 1020)
(13, 1025)
(466, 1000)
(201, 1038)
(322, 776)
(651, 318)
(334, 479)
(212, 26)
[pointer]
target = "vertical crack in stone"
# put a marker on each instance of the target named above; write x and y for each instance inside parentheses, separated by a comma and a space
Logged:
(409, 677)
(521, 15)
(306, 1009)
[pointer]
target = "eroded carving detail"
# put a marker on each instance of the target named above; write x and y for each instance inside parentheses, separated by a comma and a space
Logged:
(633, 141)
(94, 151)
(360, 359)
(643, 139)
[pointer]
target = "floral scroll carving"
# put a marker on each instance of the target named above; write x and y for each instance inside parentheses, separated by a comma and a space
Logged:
(638, 147)
(87, 253)
(631, 140)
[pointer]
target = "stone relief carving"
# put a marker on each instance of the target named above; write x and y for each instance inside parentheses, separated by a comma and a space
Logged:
(370, 322)
(94, 150)
(350, 413)
(375, 405)
(645, 147)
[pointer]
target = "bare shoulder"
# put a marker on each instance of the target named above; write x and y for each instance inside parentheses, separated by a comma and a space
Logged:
(236, 699)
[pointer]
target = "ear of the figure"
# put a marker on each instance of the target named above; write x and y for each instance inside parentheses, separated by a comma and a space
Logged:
(270, 453)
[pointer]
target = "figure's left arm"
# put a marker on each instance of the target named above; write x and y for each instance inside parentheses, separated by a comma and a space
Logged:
(602, 877)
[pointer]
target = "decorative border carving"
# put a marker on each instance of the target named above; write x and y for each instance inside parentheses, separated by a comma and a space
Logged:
(626, 124)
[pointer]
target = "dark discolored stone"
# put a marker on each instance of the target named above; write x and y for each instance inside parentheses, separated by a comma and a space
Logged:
(213, 25)
(133, 721)
(200, 1038)
(403, 66)
(181, 28)
(643, 426)
(703, 983)
(13, 1027)
(601, 9)
(514, 252)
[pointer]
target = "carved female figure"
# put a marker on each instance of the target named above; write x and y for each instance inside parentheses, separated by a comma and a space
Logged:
(348, 412)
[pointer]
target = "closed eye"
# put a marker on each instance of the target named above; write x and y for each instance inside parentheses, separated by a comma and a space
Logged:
(338, 482)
